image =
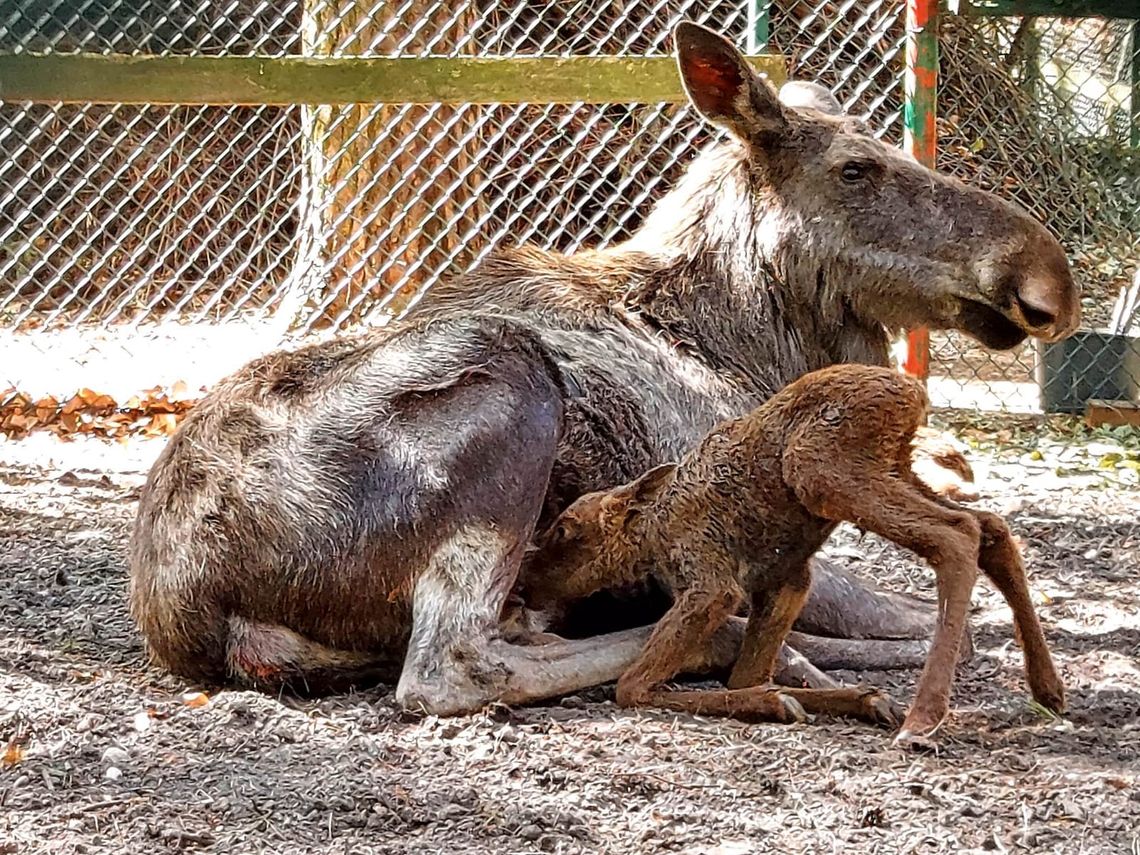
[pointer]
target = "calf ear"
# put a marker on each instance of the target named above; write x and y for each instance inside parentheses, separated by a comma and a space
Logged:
(627, 501)
(723, 87)
(653, 483)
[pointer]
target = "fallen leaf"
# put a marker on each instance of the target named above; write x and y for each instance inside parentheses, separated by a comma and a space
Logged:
(195, 699)
(13, 754)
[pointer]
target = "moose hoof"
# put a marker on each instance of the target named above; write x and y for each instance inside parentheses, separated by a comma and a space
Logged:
(1052, 698)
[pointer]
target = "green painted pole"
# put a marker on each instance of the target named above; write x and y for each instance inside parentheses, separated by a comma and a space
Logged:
(758, 23)
(921, 133)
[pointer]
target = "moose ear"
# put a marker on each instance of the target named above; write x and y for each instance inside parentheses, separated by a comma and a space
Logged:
(805, 93)
(652, 484)
(723, 87)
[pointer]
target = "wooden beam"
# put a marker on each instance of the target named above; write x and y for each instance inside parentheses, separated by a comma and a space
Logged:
(1112, 413)
(116, 79)
(1054, 8)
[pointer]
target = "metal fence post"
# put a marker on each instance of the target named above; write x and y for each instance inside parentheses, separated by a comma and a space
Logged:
(758, 18)
(1134, 79)
(921, 134)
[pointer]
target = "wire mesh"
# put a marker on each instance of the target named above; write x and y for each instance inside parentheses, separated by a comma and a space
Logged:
(121, 219)
(1040, 110)
(342, 216)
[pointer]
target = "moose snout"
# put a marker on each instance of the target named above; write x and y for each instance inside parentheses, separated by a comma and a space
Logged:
(1035, 288)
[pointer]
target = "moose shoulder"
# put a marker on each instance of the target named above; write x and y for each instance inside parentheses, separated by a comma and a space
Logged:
(359, 509)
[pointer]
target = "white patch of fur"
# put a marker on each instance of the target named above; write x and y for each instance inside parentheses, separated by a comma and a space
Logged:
(455, 604)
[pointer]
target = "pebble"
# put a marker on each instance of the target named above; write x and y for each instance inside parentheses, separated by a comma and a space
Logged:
(86, 723)
(114, 755)
(113, 773)
(1012, 506)
(530, 832)
(141, 721)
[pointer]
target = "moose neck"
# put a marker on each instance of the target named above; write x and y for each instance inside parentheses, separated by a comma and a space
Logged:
(736, 284)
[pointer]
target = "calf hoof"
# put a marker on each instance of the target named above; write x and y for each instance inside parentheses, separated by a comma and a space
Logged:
(919, 727)
(794, 712)
(881, 708)
(910, 741)
(1052, 697)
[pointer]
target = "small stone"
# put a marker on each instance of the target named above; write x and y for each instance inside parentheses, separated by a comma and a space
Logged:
(113, 773)
(114, 755)
(141, 721)
(75, 825)
(1013, 506)
(508, 734)
(454, 811)
(1069, 809)
(86, 723)
(1091, 554)
(530, 832)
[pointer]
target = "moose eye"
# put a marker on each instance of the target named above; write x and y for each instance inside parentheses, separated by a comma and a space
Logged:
(853, 171)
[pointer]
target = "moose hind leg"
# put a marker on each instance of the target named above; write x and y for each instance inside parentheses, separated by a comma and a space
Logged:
(902, 512)
(457, 660)
(949, 540)
(271, 657)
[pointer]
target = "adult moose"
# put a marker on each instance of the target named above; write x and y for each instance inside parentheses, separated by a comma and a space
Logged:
(359, 509)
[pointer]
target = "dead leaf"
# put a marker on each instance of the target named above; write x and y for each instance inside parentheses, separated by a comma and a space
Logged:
(195, 699)
(151, 414)
(13, 754)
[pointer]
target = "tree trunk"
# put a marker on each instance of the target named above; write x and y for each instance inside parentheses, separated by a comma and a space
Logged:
(383, 191)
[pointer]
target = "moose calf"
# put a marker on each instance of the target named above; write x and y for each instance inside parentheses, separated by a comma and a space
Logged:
(741, 515)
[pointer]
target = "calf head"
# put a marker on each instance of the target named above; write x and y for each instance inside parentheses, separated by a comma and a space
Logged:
(861, 230)
(599, 536)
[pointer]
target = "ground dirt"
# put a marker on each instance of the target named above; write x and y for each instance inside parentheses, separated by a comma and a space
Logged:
(103, 754)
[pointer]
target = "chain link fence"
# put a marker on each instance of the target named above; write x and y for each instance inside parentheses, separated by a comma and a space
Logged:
(117, 217)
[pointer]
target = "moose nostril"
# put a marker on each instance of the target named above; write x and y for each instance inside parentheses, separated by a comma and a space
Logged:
(1038, 304)
(1036, 318)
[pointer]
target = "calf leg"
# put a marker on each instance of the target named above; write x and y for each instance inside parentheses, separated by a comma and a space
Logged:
(948, 539)
(691, 622)
(1001, 561)
(768, 625)
(769, 622)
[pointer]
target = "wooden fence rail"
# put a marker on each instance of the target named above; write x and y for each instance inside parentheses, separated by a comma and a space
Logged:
(226, 80)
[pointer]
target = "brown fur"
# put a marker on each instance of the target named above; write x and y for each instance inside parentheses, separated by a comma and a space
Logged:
(360, 507)
(737, 520)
